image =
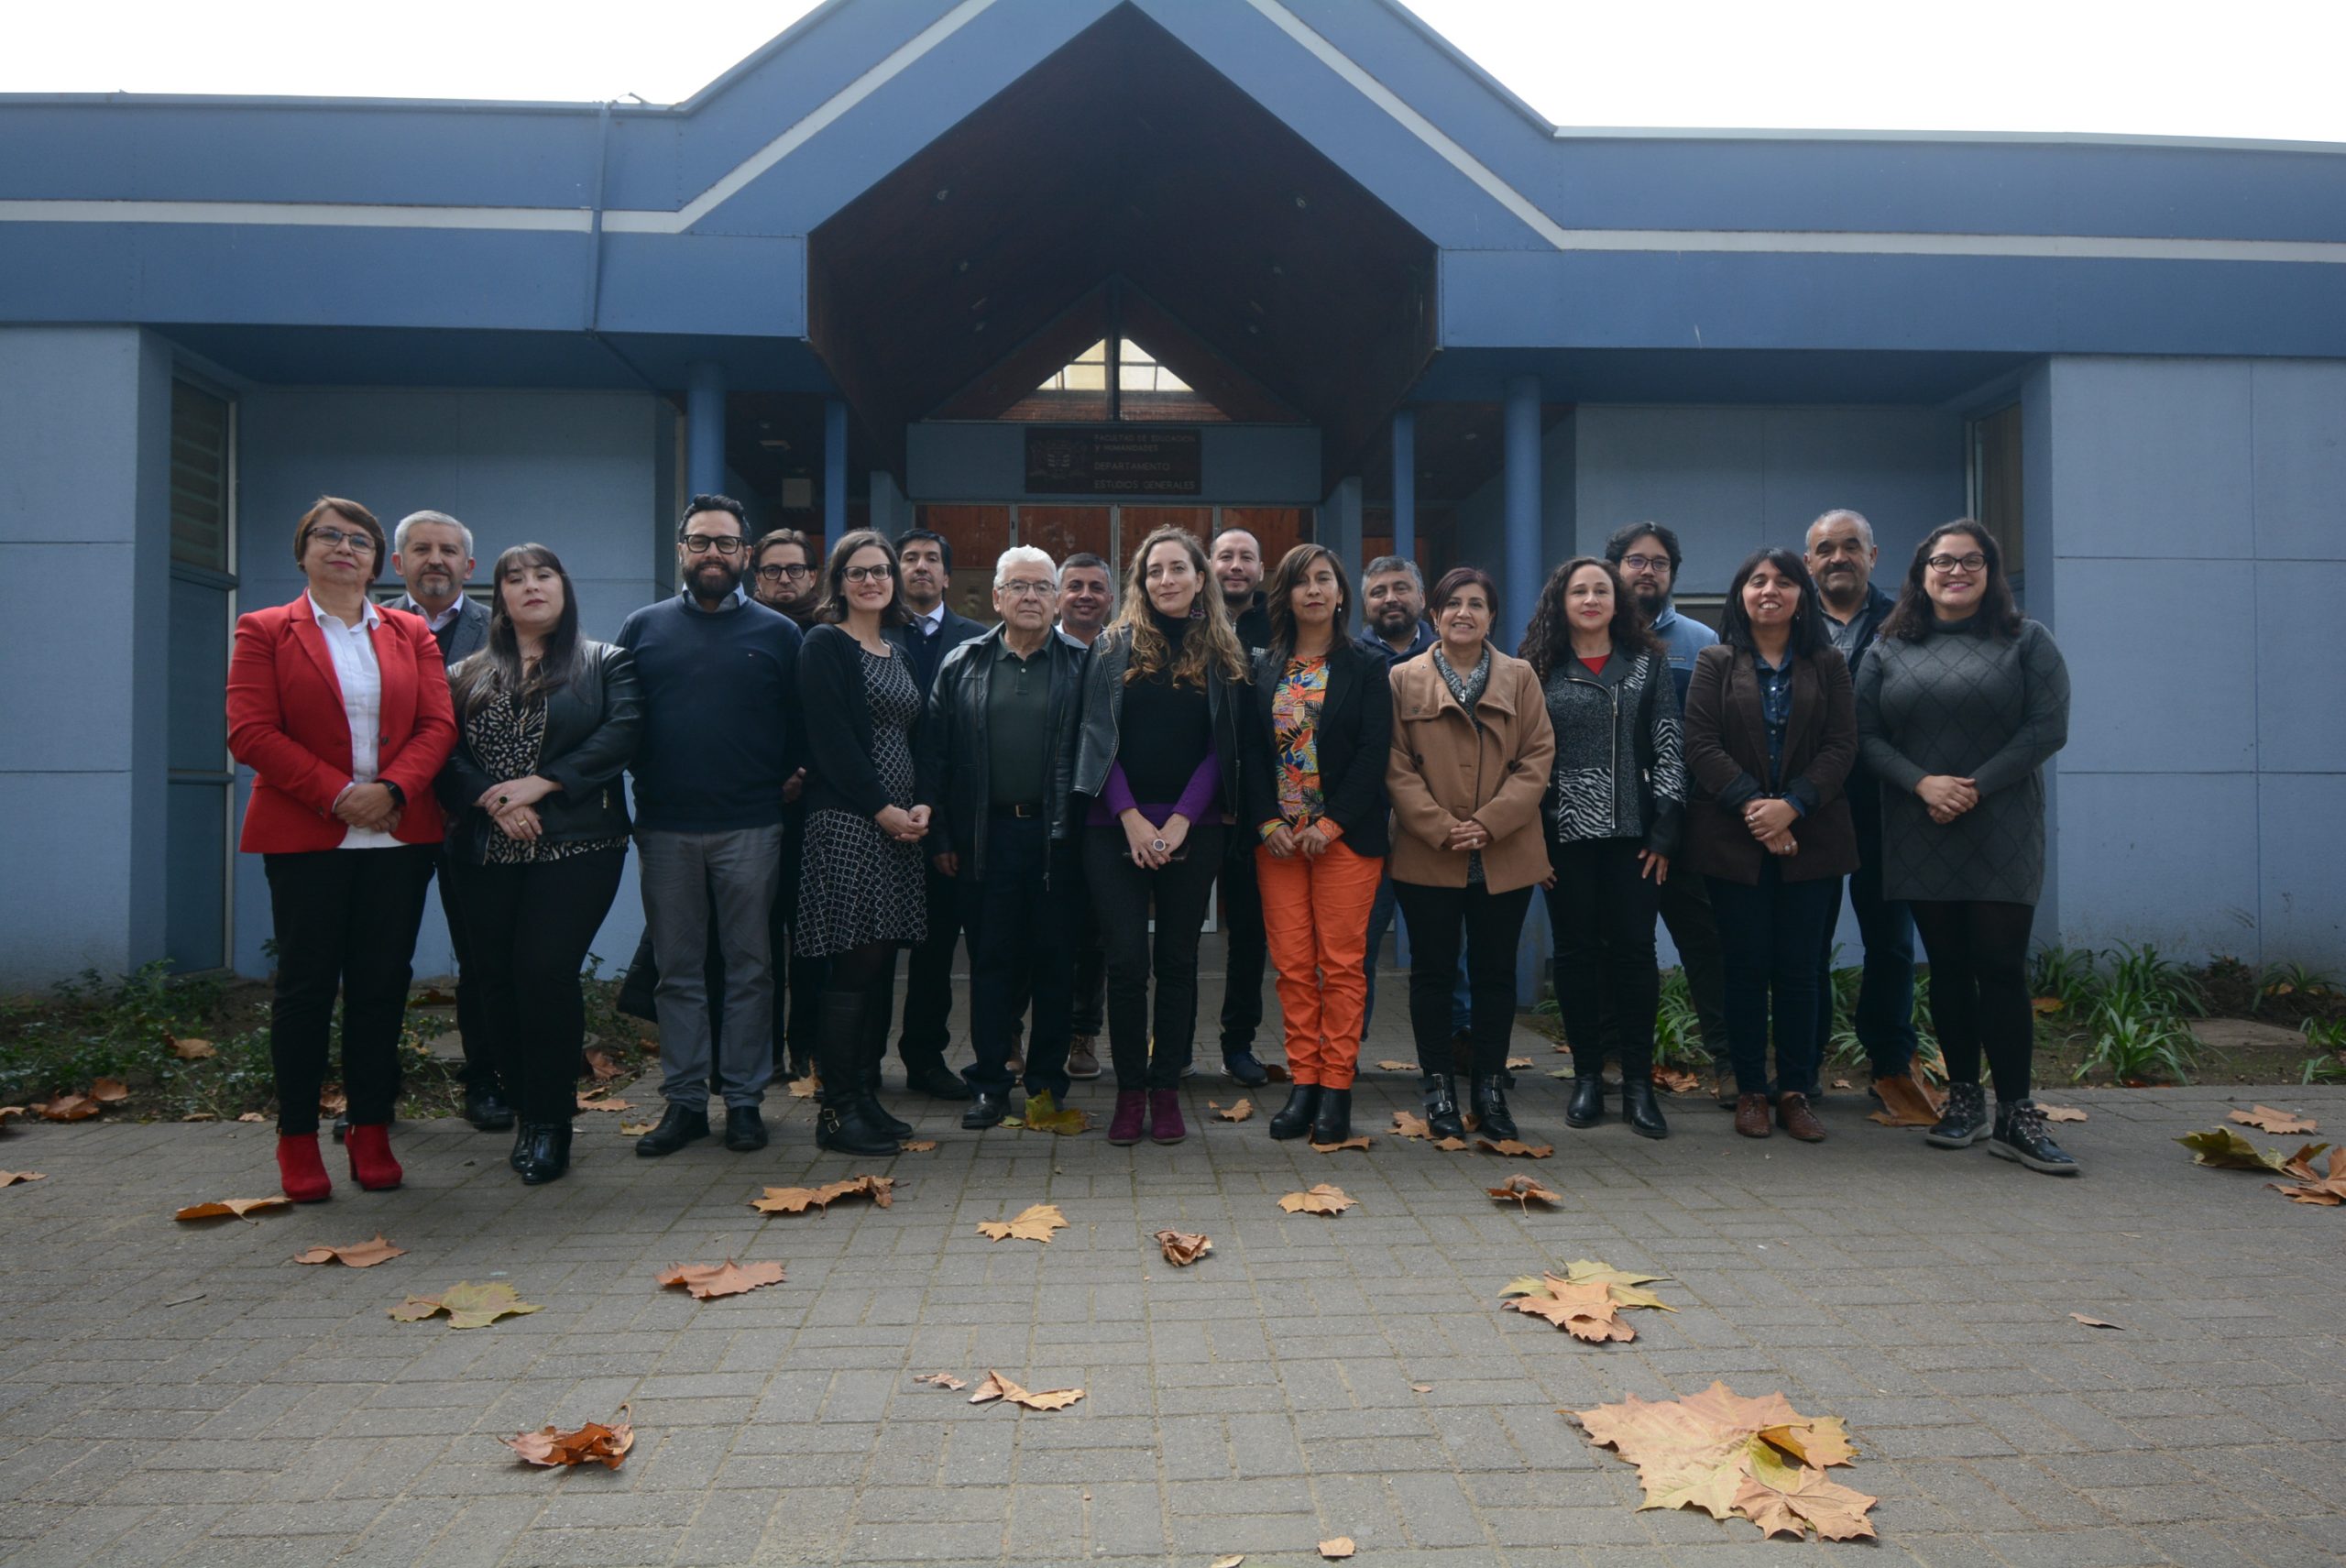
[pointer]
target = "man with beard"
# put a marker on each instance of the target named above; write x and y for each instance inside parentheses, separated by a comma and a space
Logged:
(925, 559)
(1086, 600)
(1648, 557)
(786, 578)
(433, 554)
(720, 700)
(1841, 558)
(1237, 566)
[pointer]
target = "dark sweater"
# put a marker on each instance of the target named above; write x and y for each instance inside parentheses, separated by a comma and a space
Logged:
(1167, 729)
(719, 714)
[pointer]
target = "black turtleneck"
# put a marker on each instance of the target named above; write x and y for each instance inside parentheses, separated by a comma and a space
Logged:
(1167, 730)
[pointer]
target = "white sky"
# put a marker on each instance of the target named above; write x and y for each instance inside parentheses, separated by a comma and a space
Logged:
(2247, 67)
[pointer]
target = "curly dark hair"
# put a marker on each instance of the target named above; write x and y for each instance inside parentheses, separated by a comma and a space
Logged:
(1912, 618)
(1278, 594)
(832, 611)
(1548, 641)
(1808, 633)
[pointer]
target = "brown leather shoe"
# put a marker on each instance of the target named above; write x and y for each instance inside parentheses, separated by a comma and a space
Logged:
(1752, 1115)
(1795, 1116)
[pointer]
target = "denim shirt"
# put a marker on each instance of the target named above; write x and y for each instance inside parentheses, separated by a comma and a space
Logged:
(1776, 711)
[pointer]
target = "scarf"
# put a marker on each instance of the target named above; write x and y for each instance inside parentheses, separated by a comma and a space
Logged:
(1468, 689)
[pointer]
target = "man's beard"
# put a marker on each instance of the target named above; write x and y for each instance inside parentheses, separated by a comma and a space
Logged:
(1650, 599)
(1394, 618)
(1842, 587)
(732, 579)
(1239, 598)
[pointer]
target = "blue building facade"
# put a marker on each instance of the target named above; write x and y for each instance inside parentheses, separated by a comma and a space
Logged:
(1347, 287)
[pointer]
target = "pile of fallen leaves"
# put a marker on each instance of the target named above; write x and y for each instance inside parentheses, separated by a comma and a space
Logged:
(1586, 1300)
(2223, 1149)
(1737, 1458)
(80, 1105)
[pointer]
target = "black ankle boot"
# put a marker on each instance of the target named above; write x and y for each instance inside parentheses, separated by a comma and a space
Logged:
(521, 1146)
(1333, 1124)
(549, 1153)
(1492, 1120)
(1641, 1109)
(1293, 1119)
(1441, 1107)
(873, 1050)
(1587, 1106)
(848, 1121)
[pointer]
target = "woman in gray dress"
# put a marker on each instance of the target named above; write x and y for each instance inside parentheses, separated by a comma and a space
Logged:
(1959, 706)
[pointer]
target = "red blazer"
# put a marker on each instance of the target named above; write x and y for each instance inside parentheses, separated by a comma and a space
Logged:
(286, 723)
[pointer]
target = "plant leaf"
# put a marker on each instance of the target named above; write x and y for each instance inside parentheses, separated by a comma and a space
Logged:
(1701, 1451)
(1906, 1101)
(1042, 1114)
(468, 1306)
(190, 1049)
(1516, 1146)
(1228, 1560)
(1238, 1111)
(1357, 1141)
(2096, 1322)
(1586, 1312)
(2061, 1113)
(1452, 1145)
(2266, 1119)
(1676, 1079)
(918, 1146)
(593, 1443)
(1325, 1198)
(1406, 1125)
(1396, 1066)
(1033, 1224)
(10, 1177)
(1790, 1500)
(1338, 1549)
(706, 1281)
(1524, 1190)
(798, 1200)
(940, 1380)
(586, 1104)
(997, 1386)
(363, 1255)
(1183, 1248)
(68, 1108)
(2311, 1187)
(2227, 1150)
(109, 1091)
(238, 1208)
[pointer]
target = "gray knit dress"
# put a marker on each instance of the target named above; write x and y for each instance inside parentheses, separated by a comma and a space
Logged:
(1964, 702)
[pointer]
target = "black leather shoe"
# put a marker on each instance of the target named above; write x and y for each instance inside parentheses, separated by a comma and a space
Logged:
(1333, 1123)
(1641, 1109)
(745, 1129)
(1242, 1069)
(341, 1125)
(679, 1125)
(549, 1153)
(1492, 1118)
(1293, 1119)
(850, 1128)
(938, 1082)
(1587, 1105)
(520, 1154)
(1443, 1120)
(486, 1109)
(986, 1110)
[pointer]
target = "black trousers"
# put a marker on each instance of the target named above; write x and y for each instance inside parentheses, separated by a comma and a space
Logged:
(928, 986)
(1980, 1002)
(473, 1023)
(1122, 895)
(1602, 913)
(1022, 958)
(1245, 948)
(1685, 904)
(531, 926)
(1769, 932)
(1442, 920)
(345, 921)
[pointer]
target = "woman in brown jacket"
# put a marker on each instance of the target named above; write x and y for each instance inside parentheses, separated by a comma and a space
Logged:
(1771, 730)
(1472, 749)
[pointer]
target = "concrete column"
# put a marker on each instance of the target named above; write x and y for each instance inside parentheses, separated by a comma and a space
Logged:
(1405, 484)
(834, 470)
(1339, 527)
(705, 429)
(890, 512)
(1521, 580)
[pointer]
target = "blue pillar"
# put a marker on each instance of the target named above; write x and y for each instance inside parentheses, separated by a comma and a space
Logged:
(1404, 484)
(1520, 584)
(705, 429)
(1340, 526)
(834, 471)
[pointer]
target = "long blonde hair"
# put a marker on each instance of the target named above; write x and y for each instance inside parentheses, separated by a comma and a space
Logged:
(1209, 642)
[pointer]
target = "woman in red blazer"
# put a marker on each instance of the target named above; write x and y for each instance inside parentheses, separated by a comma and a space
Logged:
(341, 709)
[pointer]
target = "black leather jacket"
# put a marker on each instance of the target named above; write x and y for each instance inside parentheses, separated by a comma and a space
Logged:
(1103, 712)
(592, 723)
(954, 759)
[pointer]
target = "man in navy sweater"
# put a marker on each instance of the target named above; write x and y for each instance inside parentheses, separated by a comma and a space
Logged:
(720, 723)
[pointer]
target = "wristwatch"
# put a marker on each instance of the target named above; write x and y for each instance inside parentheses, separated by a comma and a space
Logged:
(399, 796)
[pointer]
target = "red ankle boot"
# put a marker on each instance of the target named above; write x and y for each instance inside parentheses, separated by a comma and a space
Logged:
(300, 1170)
(371, 1164)
(1131, 1118)
(1165, 1125)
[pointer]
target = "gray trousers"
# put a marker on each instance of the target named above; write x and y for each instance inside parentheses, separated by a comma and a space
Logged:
(685, 877)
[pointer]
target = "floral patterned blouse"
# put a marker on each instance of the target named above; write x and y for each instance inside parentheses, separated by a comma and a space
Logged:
(1295, 741)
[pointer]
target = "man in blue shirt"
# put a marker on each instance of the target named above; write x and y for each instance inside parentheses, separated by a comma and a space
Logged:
(1648, 557)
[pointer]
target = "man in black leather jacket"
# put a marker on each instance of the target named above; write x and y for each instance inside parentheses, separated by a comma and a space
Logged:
(995, 761)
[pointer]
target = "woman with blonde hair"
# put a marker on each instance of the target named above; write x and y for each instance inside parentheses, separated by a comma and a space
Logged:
(1158, 761)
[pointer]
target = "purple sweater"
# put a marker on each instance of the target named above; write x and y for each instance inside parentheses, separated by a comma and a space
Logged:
(1201, 796)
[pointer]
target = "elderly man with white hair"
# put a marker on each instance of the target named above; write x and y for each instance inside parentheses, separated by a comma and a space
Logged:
(996, 756)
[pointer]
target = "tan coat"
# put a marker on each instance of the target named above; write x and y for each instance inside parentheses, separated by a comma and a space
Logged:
(1443, 771)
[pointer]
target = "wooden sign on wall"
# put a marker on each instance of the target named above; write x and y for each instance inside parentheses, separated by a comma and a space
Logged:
(1113, 461)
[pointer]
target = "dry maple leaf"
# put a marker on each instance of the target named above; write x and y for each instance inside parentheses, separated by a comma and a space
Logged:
(1183, 1248)
(918, 1146)
(8, 1111)
(1341, 1547)
(1625, 1286)
(190, 1049)
(1396, 1066)
(468, 1306)
(1516, 1146)
(939, 1380)
(805, 1088)
(2311, 1187)
(1906, 1101)
(586, 1104)
(332, 1100)
(1405, 1126)
(1033, 1224)
(2061, 1113)
(1698, 1452)
(636, 1129)
(1238, 1111)
(1324, 1198)
(1357, 1141)
(1452, 1145)
(10, 1177)
(226, 1208)
(1676, 1079)
(1787, 1499)
(1276, 1072)
(1515, 1062)
(1587, 1311)
(604, 1066)
(1228, 1560)
(2227, 1150)
(2266, 1119)
(997, 1386)
(363, 1255)
(593, 1443)
(109, 1091)
(727, 1278)
(68, 1108)
(798, 1200)
(252, 1116)
(1043, 1113)
(2096, 1322)
(1524, 1190)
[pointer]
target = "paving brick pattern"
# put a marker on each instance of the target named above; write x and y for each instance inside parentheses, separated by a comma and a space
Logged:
(186, 1395)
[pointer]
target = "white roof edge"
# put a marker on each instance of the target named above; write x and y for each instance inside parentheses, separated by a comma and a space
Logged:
(2051, 138)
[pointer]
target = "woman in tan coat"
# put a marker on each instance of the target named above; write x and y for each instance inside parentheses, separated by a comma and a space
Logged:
(1472, 749)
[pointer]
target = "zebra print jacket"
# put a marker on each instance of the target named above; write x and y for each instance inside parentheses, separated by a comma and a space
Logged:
(1620, 771)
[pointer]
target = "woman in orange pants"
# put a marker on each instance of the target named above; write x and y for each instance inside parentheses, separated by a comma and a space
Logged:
(1320, 727)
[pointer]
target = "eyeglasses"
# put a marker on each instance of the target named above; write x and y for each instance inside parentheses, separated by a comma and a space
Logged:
(782, 574)
(869, 573)
(335, 539)
(1645, 563)
(1971, 563)
(1026, 590)
(723, 543)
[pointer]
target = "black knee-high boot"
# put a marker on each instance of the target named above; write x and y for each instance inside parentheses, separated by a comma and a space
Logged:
(847, 1123)
(878, 1003)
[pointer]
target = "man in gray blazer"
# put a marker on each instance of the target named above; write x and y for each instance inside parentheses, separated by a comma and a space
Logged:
(433, 554)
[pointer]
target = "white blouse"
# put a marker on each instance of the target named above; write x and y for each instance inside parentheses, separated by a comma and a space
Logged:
(361, 679)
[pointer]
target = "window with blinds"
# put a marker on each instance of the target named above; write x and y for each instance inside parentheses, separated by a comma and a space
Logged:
(1995, 475)
(200, 437)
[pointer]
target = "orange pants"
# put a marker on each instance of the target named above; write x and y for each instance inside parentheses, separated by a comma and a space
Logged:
(1315, 914)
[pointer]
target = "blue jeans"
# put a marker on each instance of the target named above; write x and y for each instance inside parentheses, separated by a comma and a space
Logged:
(1380, 921)
(1768, 936)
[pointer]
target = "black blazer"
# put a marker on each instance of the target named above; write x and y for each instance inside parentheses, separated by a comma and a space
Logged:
(927, 654)
(1726, 765)
(1355, 742)
(592, 725)
(839, 773)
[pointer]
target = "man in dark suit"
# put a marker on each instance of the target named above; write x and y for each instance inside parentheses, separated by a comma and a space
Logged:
(433, 554)
(926, 564)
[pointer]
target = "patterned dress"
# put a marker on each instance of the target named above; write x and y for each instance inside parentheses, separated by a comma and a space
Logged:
(505, 738)
(855, 883)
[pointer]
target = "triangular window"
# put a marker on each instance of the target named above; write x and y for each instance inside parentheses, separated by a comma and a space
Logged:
(1145, 389)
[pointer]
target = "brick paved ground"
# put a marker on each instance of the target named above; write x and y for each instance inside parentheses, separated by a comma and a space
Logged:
(184, 1395)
